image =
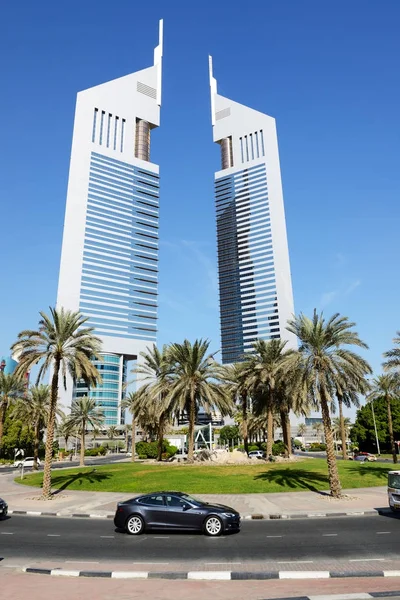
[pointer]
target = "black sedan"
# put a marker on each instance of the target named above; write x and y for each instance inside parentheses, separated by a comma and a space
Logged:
(175, 510)
(3, 509)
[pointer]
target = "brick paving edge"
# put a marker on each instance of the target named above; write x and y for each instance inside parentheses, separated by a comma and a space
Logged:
(255, 517)
(212, 575)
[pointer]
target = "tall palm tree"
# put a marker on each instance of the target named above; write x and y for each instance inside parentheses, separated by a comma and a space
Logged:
(61, 343)
(95, 434)
(266, 372)
(323, 364)
(341, 428)
(64, 430)
(302, 430)
(387, 387)
(235, 378)
(155, 375)
(127, 429)
(84, 413)
(348, 397)
(194, 384)
(12, 387)
(34, 410)
(130, 403)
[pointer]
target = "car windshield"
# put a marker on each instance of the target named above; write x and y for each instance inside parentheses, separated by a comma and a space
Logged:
(192, 500)
(394, 480)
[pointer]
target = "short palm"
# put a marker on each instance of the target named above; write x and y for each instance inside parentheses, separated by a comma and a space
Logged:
(194, 384)
(84, 413)
(63, 345)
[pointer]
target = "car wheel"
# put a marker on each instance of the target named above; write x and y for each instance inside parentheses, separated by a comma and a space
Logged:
(134, 525)
(213, 526)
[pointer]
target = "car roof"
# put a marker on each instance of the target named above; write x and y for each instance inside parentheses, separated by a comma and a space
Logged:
(162, 492)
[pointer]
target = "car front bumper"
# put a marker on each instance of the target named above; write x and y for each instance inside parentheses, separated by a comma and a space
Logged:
(3, 510)
(231, 523)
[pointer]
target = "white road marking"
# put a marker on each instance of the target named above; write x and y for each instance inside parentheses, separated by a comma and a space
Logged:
(6, 533)
(161, 537)
(53, 535)
(329, 534)
(274, 536)
(359, 596)
(150, 563)
(294, 562)
(382, 532)
(223, 563)
(64, 573)
(391, 573)
(108, 536)
(365, 559)
(222, 575)
(84, 562)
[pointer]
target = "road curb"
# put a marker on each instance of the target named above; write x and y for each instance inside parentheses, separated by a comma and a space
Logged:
(255, 517)
(213, 575)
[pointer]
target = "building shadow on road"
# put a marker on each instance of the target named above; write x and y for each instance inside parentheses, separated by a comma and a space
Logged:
(62, 482)
(296, 479)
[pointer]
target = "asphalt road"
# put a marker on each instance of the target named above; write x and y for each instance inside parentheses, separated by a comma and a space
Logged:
(294, 540)
(68, 464)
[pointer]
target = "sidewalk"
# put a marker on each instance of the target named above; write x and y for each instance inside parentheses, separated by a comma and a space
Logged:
(268, 506)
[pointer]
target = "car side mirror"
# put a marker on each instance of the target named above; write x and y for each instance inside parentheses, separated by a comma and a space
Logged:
(186, 506)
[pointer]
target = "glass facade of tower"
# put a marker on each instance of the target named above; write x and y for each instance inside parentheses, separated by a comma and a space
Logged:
(108, 394)
(248, 296)
(120, 259)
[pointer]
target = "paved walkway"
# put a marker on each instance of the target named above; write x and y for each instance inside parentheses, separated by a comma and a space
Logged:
(278, 505)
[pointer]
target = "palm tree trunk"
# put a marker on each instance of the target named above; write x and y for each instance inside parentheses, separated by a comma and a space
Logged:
(270, 429)
(245, 432)
(342, 428)
(36, 445)
(390, 427)
(282, 414)
(160, 438)
(133, 449)
(2, 419)
(288, 433)
(82, 461)
(192, 419)
(46, 491)
(334, 481)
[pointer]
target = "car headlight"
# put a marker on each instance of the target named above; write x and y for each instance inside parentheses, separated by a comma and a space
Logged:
(229, 514)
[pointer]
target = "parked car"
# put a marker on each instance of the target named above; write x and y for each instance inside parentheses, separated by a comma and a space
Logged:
(3, 509)
(26, 462)
(363, 457)
(257, 454)
(175, 510)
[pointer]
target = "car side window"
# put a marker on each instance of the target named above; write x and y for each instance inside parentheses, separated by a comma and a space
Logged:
(175, 501)
(152, 501)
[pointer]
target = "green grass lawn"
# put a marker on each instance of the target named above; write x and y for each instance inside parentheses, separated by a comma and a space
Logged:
(203, 479)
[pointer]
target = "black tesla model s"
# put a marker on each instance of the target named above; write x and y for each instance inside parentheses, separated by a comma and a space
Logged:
(175, 510)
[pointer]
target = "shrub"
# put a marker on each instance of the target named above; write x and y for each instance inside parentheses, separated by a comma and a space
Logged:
(253, 448)
(278, 448)
(317, 447)
(142, 456)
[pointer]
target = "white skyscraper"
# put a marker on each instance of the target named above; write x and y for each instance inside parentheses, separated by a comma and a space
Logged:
(256, 298)
(109, 260)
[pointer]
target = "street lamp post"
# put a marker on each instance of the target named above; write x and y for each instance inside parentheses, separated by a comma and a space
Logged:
(376, 432)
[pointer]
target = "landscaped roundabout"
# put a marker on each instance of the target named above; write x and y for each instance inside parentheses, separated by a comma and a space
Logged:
(262, 477)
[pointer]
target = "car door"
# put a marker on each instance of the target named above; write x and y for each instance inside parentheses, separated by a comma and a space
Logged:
(180, 514)
(154, 510)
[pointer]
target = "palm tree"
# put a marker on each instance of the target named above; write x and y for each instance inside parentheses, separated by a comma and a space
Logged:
(266, 372)
(12, 387)
(235, 378)
(64, 431)
(318, 428)
(341, 428)
(302, 430)
(129, 403)
(64, 345)
(127, 429)
(34, 410)
(155, 373)
(95, 434)
(194, 384)
(387, 387)
(324, 364)
(84, 413)
(393, 356)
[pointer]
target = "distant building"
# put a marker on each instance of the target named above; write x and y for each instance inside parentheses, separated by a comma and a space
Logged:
(7, 365)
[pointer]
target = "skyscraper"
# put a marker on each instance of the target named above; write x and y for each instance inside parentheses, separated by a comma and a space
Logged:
(109, 259)
(255, 287)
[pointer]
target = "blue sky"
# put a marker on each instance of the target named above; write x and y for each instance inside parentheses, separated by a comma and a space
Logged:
(328, 73)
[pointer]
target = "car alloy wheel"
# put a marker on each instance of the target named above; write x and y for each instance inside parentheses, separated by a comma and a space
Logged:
(213, 526)
(135, 525)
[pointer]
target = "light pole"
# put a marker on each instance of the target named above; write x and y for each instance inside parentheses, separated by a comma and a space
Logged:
(376, 433)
